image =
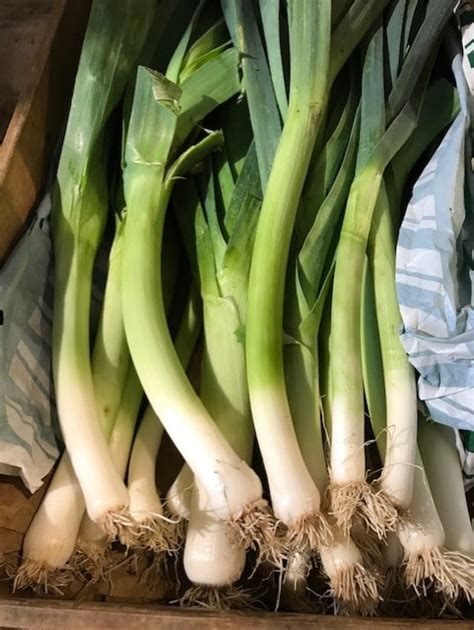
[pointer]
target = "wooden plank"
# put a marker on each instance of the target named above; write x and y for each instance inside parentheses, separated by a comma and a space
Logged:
(43, 614)
(22, 28)
(21, 163)
(38, 118)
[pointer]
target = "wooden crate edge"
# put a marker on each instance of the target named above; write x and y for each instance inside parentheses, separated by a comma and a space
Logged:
(42, 614)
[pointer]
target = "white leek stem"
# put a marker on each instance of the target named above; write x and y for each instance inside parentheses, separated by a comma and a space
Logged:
(230, 483)
(103, 489)
(294, 494)
(145, 503)
(443, 469)
(53, 531)
(422, 536)
(120, 443)
(400, 386)
(144, 498)
(178, 498)
(352, 586)
(209, 558)
(51, 537)
(423, 530)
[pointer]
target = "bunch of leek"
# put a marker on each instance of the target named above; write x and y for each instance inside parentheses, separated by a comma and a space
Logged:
(288, 213)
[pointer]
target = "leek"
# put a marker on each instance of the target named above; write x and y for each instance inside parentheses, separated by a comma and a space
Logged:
(437, 444)
(114, 38)
(350, 494)
(178, 497)
(295, 497)
(354, 586)
(399, 404)
(163, 114)
(92, 557)
(400, 387)
(426, 563)
(152, 530)
(223, 267)
(51, 537)
(288, 216)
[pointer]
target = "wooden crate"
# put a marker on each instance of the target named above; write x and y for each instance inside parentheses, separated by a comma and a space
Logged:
(66, 615)
(39, 47)
(39, 55)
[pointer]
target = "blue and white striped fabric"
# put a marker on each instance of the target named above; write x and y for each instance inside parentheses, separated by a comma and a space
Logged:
(435, 275)
(28, 442)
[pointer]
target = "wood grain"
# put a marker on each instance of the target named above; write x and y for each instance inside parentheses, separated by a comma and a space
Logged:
(39, 114)
(43, 615)
(22, 28)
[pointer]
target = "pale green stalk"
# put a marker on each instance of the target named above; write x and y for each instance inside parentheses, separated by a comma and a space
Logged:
(399, 406)
(92, 543)
(209, 557)
(224, 377)
(354, 586)
(326, 165)
(120, 441)
(111, 358)
(294, 494)
(113, 41)
(111, 368)
(302, 383)
(264, 354)
(154, 128)
(190, 327)
(118, 389)
(399, 378)
(223, 263)
(151, 530)
(350, 493)
(317, 250)
(305, 302)
(91, 540)
(52, 534)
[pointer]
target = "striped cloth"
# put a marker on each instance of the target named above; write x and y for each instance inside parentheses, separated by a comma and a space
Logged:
(28, 442)
(435, 276)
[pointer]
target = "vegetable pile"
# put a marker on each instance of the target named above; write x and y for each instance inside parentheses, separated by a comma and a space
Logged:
(250, 163)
